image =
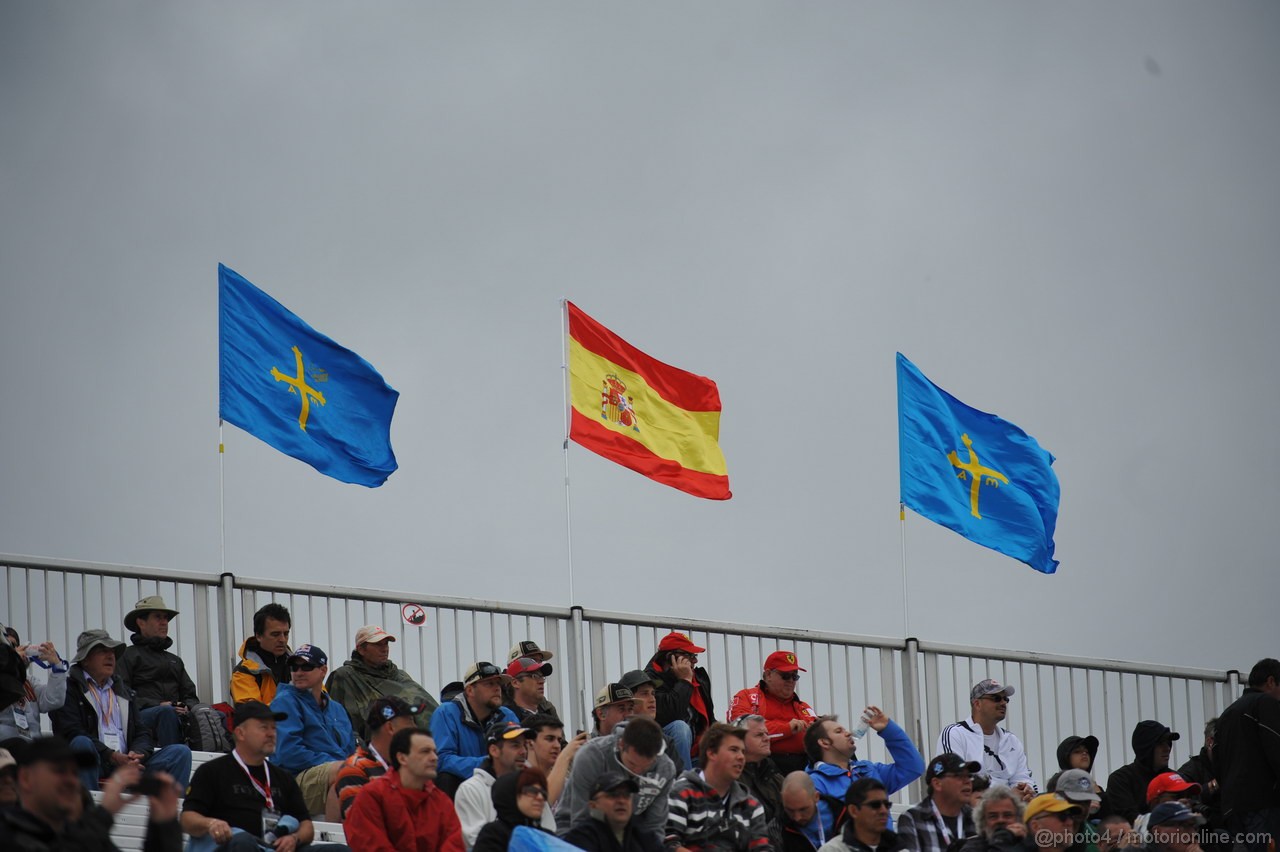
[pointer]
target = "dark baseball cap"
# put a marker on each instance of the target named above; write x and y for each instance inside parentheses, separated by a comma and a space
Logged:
(507, 731)
(313, 654)
(950, 762)
(247, 710)
(637, 678)
(52, 750)
(610, 781)
(383, 710)
(1173, 812)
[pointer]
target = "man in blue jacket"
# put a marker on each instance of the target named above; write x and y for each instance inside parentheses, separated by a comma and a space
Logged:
(833, 749)
(317, 736)
(459, 726)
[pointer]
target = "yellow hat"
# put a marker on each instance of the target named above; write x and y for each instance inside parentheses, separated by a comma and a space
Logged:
(1047, 803)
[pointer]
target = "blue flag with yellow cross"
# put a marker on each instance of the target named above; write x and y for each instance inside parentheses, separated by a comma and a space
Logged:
(975, 473)
(294, 388)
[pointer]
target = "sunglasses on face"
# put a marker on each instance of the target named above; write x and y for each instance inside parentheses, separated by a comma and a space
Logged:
(876, 804)
(302, 667)
(998, 699)
(537, 678)
(533, 790)
(791, 676)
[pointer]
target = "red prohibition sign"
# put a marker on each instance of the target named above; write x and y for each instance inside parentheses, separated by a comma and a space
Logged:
(413, 614)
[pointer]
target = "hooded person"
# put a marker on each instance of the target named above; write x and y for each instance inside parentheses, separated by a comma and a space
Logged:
(1076, 752)
(1127, 787)
(163, 690)
(370, 674)
(518, 799)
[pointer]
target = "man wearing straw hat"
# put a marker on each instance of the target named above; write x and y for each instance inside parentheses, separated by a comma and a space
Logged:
(161, 687)
(100, 716)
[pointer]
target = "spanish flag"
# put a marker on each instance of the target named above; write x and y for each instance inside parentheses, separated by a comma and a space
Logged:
(656, 419)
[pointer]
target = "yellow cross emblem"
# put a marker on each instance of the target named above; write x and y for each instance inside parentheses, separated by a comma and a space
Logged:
(299, 385)
(974, 469)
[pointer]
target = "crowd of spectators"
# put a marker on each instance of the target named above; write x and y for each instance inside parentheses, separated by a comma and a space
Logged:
(491, 761)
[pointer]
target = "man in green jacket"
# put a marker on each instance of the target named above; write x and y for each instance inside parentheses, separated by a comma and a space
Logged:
(370, 675)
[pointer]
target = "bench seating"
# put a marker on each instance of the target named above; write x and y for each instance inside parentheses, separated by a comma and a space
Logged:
(130, 829)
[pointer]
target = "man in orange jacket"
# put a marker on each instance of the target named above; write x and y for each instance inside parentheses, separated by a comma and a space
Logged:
(786, 716)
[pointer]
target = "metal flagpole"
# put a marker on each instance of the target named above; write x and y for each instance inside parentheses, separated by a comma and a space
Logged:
(222, 510)
(564, 370)
(902, 524)
(575, 627)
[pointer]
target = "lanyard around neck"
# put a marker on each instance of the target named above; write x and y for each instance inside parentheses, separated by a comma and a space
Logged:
(266, 768)
(113, 703)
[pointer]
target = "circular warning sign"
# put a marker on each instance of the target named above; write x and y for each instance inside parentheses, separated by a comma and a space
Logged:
(413, 614)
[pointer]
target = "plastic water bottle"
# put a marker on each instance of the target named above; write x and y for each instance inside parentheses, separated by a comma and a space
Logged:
(864, 725)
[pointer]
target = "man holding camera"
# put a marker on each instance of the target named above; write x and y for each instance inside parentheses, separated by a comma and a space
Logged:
(22, 700)
(54, 812)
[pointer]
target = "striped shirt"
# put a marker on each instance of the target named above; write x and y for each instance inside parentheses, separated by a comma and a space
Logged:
(357, 770)
(699, 819)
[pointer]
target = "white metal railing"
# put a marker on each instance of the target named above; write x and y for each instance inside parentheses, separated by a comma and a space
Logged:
(922, 685)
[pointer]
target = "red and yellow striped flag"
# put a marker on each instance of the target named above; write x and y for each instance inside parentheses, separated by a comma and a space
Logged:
(656, 419)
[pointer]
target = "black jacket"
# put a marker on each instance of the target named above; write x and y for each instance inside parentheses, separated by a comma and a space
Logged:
(20, 831)
(1247, 753)
(154, 674)
(78, 716)
(1201, 769)
(786, 836)
(1127, 786)
(764, 782)
(594, 835)
(1064, 763)
(1008, 843)
(674, 694)
(495, 835)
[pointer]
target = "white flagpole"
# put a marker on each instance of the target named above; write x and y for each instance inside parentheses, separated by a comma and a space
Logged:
(902, 523)
(564, 369)
(222, 511)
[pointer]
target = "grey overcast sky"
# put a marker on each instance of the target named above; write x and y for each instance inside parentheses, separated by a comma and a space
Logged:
(1064, 213)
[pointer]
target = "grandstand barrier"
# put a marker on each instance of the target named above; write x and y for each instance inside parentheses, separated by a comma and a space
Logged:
(922, 685)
